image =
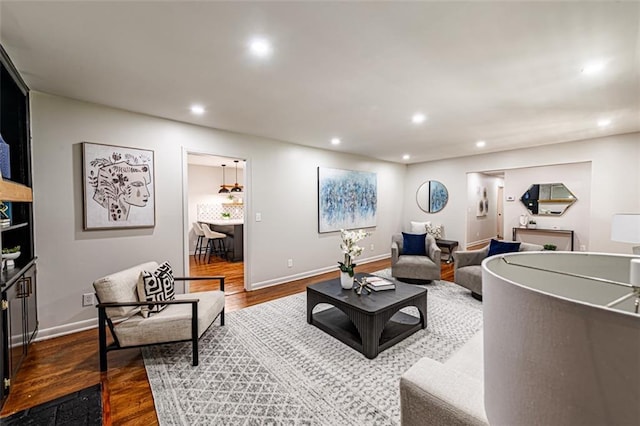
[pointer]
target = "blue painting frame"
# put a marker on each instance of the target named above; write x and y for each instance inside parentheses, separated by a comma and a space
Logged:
(347, 199)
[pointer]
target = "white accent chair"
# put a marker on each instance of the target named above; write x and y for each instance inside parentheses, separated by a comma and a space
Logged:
(184, 319)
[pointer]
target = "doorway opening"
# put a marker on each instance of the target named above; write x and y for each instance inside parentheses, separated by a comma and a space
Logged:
(214, 220)
(485, 193)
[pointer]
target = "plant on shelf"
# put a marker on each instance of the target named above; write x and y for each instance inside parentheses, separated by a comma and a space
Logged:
(15, 249)
(9, 255)
(226, 215)
(350, 249)
(550, 247)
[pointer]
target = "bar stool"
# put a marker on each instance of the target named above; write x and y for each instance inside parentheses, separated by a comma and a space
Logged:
(200, 248)
(212, 237)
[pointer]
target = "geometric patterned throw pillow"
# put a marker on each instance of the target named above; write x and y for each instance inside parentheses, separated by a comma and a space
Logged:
(434, 230)
(156, 286)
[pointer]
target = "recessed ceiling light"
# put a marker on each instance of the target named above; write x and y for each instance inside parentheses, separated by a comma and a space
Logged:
(418, 117)
(604, 122)
(406, 157)
(197, 109)
(335, 141)
(260, 47)
(593, 68)
(481, 144)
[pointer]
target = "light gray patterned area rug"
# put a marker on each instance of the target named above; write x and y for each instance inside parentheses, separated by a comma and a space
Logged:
(267, 366)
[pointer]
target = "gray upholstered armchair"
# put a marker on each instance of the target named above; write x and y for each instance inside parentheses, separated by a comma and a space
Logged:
(415, 268)
(468, 272)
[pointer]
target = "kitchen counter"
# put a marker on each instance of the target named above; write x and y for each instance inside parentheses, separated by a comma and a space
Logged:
(233, 229)
(223, 222)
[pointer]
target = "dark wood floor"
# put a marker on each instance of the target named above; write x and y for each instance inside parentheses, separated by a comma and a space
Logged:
(62, 365)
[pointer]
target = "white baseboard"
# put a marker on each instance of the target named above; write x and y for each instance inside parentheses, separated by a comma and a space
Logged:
(307, 274)
(62, 330)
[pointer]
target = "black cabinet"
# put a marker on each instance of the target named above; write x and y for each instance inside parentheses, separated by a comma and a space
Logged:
(18, 318)
(21, 317)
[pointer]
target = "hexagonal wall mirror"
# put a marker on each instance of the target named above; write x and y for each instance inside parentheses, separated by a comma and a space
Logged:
(548, 199)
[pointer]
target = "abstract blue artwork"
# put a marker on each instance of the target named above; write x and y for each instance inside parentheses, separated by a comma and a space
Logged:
(347, 199)
(438, 196)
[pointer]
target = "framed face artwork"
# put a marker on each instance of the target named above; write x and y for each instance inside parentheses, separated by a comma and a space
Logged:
(118, 187)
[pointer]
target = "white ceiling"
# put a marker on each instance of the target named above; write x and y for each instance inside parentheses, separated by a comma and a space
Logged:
(504, 72)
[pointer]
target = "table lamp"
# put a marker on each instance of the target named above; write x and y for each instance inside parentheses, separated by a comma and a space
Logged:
(561, 339)
(626, 229)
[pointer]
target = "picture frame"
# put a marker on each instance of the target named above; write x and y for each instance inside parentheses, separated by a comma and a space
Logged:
(118, 187)
(347, 199)
(482, 204)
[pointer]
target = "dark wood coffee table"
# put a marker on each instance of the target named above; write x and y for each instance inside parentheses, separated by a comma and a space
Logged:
(369, 323)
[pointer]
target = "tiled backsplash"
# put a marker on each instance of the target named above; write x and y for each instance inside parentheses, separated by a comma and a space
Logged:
(214, 211)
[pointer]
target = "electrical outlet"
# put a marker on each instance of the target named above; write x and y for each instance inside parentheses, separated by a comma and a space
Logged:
(290, 263)
(258, 217)
(583, 247)
(87, 299)
(372, 247)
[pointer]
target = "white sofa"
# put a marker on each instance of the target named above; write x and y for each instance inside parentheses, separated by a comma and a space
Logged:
(449, 393)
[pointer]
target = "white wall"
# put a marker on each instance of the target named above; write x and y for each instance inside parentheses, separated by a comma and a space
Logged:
(482, 228)
(282, 183)
(615, 183)
(576, 177)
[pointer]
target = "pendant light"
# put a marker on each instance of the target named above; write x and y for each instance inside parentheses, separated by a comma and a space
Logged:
(223, 187)
(236, 187)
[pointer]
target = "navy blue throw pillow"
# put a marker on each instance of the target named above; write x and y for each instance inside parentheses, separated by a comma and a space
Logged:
(414, 244)
(501, 247)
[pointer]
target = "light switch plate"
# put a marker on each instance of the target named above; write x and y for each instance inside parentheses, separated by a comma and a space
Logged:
(258, 217)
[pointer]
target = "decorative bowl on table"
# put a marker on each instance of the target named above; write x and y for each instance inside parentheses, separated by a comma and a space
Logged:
(8, 259)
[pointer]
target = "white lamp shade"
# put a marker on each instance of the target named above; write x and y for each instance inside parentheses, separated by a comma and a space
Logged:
(626, 228)
(553, 353)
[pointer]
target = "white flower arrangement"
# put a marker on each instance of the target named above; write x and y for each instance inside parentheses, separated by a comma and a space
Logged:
(350, 249)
